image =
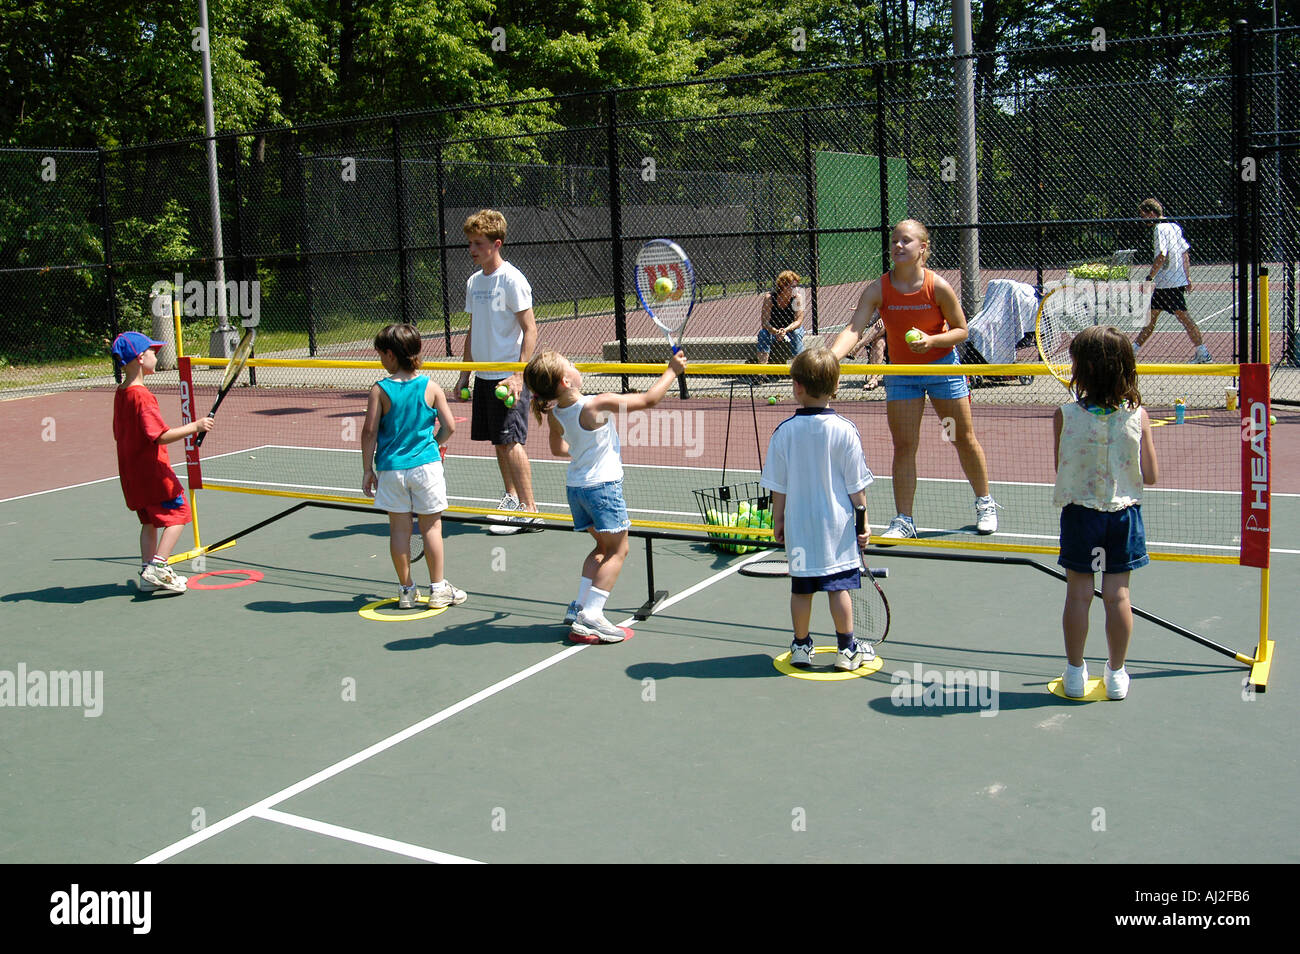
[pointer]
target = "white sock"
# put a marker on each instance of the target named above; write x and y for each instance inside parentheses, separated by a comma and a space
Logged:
(584, 587)
(594, 605)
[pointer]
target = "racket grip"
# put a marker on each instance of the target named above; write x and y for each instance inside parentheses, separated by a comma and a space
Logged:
(860, 520)
(198, 438)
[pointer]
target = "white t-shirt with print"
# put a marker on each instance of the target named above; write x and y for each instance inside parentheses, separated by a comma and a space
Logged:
(493, 302)
(1170, 243)
(815, 458)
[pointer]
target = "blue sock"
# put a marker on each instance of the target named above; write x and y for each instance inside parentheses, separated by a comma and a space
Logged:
(845, 640)
(806, 641)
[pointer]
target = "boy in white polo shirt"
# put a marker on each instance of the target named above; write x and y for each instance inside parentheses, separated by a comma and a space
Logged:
(818, 476)
(502, 328)
(1170, 273)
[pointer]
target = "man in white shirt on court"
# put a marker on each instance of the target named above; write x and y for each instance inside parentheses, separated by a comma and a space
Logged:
(1170, 272)
(502, 328)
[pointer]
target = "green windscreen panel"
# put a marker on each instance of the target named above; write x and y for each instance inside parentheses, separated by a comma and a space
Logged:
(848, 196)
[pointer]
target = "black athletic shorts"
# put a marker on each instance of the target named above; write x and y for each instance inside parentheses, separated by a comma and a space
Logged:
(1169, 299)
(492, 421)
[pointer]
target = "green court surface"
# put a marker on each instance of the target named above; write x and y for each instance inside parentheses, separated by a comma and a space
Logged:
(270, 722)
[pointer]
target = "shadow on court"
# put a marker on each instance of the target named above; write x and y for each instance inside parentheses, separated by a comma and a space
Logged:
(71, 595)
(752, 666)
(480, 632)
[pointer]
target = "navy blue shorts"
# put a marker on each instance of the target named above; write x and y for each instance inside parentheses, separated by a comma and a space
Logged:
(491, 420)
(845, 580)
(1168, 299)
(1095, 541)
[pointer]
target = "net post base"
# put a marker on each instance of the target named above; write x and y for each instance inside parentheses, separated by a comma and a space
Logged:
(1260, 669)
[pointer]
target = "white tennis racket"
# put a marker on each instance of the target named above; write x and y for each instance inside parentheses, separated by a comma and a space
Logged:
(665, 287)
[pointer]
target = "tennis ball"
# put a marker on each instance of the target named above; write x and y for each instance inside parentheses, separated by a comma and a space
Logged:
(464, 394)
(772, 399)
(503, 393)
(1272, 418)
(743, 509)
(663, 286)
(913, 336)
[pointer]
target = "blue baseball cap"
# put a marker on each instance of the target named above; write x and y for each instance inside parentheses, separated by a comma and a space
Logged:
(129, 345)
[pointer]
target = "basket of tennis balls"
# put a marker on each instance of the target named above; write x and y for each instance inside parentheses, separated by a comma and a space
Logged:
(1099, 272)
(736, 505)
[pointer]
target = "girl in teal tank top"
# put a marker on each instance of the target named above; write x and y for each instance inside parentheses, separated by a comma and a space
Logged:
(401, 459)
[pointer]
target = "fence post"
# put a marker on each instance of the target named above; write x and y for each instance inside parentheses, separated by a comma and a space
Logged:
(107, 229)
(810, 201)
(306, 255)
(399, 198)
(241, 264)
(1241, 193)
(616, 230)
(442, 242)
(1038, 191)
(884, 173)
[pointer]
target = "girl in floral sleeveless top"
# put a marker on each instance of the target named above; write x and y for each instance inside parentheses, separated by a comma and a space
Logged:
(1104, 454)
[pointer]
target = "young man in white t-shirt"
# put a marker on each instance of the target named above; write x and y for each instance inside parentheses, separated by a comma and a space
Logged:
(818, 476)
(1170, 272)
(502, 328)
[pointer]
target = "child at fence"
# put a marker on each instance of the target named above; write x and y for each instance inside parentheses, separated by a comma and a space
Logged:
(1171, 273)
(582, 429)
(818, 476)
(912, 299)
(149, 484)
(402, 461)
(1104, 454)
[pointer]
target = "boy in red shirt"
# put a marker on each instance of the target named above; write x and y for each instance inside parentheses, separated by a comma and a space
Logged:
(148, 482)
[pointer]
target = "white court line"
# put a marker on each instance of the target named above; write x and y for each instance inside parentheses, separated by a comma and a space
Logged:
(365, 838)
(259, 809)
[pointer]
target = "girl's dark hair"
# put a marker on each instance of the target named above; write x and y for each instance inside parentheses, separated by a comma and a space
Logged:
(405, 344)
(1105, 370)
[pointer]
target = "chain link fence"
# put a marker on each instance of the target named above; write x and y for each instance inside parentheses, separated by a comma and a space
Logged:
(334, 229)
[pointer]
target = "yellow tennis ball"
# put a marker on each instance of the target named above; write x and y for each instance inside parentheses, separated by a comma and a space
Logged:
(912, 336)
(663, 286)
(1272, 418)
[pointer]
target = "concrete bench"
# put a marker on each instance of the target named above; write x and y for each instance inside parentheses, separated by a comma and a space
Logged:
(729, 350)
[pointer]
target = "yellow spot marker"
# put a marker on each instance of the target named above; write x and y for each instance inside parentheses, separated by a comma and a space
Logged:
(1095, 691)
(371, 611)
(782, 664)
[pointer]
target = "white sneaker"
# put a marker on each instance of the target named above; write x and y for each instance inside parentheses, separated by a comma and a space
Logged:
(986, 515)
(861, 653)
(900, 528)
(508, 502)
(154, 578)
(407, 596)
(445, 595)
(1116, 682)
(598, 627)
(801, 654)
(1202, 355)
(1075, 680)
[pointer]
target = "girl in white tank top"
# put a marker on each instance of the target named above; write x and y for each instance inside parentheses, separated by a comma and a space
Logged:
(582, 429)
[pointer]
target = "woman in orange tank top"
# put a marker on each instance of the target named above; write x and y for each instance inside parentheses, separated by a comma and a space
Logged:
(913, 299)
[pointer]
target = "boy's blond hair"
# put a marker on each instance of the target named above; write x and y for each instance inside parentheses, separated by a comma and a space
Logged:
(818, 371)
(489, 223)
(544, 377)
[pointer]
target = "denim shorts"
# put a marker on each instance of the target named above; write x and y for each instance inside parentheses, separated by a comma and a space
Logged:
(844, 580)
(794, 339)
(599, 507)
(1102, 541)
(942, 386)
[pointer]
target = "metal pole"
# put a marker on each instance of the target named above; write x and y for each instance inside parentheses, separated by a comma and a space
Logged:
(220, 342)
(110, 292)
(1240, 191)
(399, 199)
(440, 188)
(810, 202)
(967, 185)
(616, 230)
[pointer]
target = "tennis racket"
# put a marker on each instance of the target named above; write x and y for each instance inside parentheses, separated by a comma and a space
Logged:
(775, 564)
(233, 367)
(665, 287)
(417, 543)
(870, 608)
(1062, 314)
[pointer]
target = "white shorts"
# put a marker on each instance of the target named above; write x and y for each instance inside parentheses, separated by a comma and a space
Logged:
(414, 490)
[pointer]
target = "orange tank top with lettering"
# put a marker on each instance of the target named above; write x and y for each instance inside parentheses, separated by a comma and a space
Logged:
(903, 312)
